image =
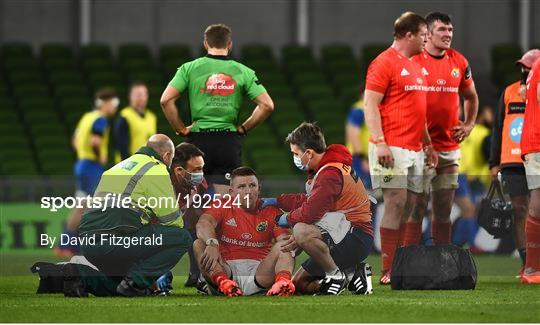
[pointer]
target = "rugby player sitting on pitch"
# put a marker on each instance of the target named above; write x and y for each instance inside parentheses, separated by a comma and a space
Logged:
(234, 245)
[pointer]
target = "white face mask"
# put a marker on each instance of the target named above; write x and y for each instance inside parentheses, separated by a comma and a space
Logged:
(194, 179)
(298, 162)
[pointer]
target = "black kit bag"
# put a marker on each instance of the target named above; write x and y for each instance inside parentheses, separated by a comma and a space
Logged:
(440, 267)
(495, 214)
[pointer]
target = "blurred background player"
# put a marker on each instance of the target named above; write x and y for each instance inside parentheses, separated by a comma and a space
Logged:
(234, 245)
(357, 138)
(530, 150)
(448, 75)
(395, 108)
(188, 180)
(91, 142)
(216, 85)
(505, 154)
(331, 222)
(473, 178)
(135, 123)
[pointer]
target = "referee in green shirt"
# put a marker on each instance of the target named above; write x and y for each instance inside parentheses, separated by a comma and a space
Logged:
(216, 85)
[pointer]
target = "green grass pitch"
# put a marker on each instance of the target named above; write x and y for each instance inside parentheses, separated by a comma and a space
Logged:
(499, 297)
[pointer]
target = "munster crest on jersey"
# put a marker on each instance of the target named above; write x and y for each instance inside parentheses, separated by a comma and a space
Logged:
(262, 226)
(455, 73)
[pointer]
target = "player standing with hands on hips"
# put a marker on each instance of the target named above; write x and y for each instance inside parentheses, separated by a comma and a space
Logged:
(216, 85)
(448, 75)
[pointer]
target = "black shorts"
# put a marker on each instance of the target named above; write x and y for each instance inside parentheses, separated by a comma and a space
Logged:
(222, 153)
(514, 181)
(353, 249)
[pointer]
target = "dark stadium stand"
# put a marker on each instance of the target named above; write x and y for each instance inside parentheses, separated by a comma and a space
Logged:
(44, 94)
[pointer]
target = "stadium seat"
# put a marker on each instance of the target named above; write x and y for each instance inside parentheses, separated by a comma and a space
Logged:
(174, 52)
(370, 52)
(302, 66)
(18, 77)
(503, 69)
(65, 77)
(250, 52)
(343, 66)
(148, 77)
(61, 65)
(336, 52)
(97, 65)
(16, 49)
(33, 89)
(73, 90)
(316, 92)
(133, 51)
(308, 79)
(95, 51)
(296, 53)
(37, 104)
(22, 167)
(261, 66)
(56, 50)
(7, 104)
(21, 64)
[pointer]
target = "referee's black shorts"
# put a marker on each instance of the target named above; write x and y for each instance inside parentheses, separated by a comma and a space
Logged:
(514, 181)
(222, 153)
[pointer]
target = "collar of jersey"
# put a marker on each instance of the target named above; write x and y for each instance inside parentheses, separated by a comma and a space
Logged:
(149, 152)
(218, 57)
(437, 57)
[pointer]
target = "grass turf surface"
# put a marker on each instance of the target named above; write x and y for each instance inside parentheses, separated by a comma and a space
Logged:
(499, 297)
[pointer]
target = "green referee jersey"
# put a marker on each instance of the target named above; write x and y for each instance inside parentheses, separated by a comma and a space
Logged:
(216, 86)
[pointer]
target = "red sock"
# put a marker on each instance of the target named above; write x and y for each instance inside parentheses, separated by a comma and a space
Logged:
(532, 243)
(389, 243)
(218, 277)
(441, 232)
(283, 275)
(413, 233)
(401, 239)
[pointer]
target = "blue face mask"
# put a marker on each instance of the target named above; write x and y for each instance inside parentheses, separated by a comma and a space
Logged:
(195, 178)
(298, 162)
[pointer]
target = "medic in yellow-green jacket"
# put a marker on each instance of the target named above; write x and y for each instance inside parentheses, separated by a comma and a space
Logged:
(129, 196)
(135, 123)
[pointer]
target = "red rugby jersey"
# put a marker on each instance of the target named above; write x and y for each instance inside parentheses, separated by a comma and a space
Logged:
(530, 138)
(446, 76)
(245, 235)
(403, 108)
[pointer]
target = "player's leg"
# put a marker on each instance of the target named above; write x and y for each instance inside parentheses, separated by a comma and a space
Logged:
(531, 273)
(305, 283)
(220, 277)
(444, 188)
(394, 183)
(318, 246)
(275, 271)
(465, 226)
(515, 183)
(413, 227)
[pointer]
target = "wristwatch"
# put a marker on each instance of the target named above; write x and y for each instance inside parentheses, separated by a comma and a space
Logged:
(212, 242)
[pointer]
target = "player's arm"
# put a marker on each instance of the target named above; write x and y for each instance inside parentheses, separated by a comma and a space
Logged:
(372, 100)
(168, 105)
(98, 130)
(95, 143)
(470, 110)
(121, 135)
(206, 231)
(265, 107)
(496, 139)
(430, 153)
(352, 130)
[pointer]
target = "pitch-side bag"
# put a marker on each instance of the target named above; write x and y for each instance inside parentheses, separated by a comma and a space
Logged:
(495, 215)
(440, 267)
